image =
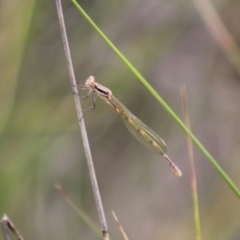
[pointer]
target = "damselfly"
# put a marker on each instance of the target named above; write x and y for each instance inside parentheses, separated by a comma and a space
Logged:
(139, 130)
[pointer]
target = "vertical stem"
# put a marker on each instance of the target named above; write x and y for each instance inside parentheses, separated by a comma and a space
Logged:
(92, 174)
(193, 169)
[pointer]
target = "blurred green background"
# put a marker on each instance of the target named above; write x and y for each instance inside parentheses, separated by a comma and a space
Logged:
(40, 143)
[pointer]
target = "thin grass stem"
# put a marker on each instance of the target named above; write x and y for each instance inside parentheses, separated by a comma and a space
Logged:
(88, 154)
(120, 226)
(219, 32)
(193, 179)
(83, 215)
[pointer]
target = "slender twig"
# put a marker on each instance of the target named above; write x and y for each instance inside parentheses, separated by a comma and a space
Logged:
(83, 215)
(8, 226)
(92, 174)
(192, 166)
(120, 226)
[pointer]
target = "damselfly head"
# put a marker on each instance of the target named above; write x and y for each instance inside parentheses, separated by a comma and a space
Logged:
(90, 82)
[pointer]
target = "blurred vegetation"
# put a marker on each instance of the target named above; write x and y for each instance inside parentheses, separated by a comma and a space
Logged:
(40, 143)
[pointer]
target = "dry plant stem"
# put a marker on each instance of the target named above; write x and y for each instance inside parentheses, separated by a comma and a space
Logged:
(92, 174)
(120, 226)
(192, 165)
(219, 32)
(94, 227)
(8, 227)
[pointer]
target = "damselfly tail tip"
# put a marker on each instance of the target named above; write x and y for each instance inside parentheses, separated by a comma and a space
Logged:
(175, 169)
